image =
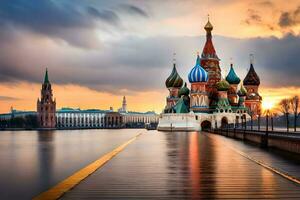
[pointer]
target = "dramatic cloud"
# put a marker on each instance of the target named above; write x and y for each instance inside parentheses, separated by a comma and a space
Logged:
(142, 64)
(103, 45)
(288, 19)
(75, 22)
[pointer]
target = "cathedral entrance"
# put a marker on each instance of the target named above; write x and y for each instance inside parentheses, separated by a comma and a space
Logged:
(224, 122)
(205, 125)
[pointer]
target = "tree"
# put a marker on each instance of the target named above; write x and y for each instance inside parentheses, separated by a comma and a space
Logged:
(294, 107)
(284, 106)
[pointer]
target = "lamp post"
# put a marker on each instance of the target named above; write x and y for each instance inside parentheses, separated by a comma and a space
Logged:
(267, 121)
(258, 122)
(251, 123)
(272, 121)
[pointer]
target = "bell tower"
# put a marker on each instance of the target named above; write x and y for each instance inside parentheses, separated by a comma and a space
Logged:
(46, 106)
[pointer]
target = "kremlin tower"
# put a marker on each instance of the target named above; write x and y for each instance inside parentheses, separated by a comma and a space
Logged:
(46, 106)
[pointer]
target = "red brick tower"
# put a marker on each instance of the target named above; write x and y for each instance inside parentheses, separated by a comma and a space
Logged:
(46, 106)
(210, 60)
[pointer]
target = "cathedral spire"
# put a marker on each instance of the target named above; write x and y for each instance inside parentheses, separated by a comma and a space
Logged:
(209, 51)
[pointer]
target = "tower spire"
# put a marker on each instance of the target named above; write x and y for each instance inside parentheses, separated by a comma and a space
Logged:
(251, 57)
(174, 59)
(46, 79)
(209, 51)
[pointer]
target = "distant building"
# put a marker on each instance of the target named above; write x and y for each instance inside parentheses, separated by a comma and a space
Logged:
(139, 119)
(69, 118)
(77, 118)
(16, 114)
(136, 119)
(46, 106)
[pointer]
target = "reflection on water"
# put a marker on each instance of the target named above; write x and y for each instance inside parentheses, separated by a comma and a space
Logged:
(33, 161)
(46, 156)
(200, 167)
(156, 165)
(189, 160)
(175, 165)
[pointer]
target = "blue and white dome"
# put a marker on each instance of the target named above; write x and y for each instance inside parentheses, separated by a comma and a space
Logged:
(198, 74)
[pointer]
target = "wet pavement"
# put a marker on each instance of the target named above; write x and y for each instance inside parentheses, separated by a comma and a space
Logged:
(189, 166)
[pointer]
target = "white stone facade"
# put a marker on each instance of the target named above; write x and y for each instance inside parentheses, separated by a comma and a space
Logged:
(199, 121)
(80, 119)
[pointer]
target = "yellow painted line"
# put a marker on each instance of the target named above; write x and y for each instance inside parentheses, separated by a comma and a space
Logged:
(272, 169)
(58, 190)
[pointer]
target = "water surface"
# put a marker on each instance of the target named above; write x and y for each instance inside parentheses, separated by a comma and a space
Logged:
(32, 161)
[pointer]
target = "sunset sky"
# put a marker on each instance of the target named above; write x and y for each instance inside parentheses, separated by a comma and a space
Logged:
(97, 51)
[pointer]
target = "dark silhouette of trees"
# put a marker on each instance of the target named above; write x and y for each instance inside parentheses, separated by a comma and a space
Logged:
(284, 107)
(294, 108)
(27, 122)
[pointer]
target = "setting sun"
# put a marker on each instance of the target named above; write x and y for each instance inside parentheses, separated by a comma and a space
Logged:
(266, 105)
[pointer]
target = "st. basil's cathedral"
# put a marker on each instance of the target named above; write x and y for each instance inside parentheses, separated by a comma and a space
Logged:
(211, 101)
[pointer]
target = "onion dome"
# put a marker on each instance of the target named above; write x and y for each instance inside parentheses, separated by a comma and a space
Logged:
(174, 80)
(223, 85)
(184, 91)
(208, 26)
(198, 74)
(242, 92)
(251, 77)
(232, 78)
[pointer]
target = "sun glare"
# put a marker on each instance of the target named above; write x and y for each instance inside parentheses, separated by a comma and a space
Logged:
(266, 105)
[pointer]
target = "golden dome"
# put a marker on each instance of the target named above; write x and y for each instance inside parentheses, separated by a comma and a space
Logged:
(208, 26)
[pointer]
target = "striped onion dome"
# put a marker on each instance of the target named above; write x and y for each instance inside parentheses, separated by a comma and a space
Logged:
(198, 74)
(232, 78)
(174, 80)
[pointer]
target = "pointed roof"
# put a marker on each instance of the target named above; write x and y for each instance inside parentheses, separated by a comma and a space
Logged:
(209, 51)
(251, 77)
(180, 107)
(46, 79)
